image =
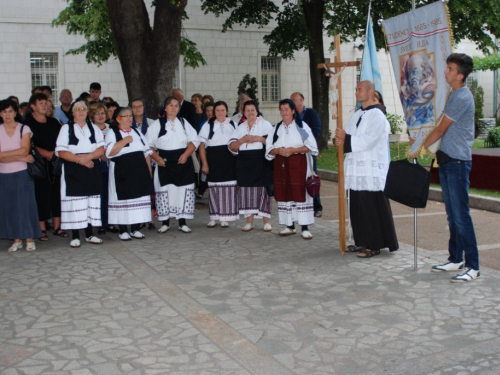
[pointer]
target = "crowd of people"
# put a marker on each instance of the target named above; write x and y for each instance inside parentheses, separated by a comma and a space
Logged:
(112, 168)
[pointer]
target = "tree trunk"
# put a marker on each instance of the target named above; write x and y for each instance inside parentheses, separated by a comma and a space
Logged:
(313, 12)
(148, 57)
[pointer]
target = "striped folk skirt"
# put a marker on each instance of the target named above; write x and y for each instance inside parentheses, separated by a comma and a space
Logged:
(223, 202)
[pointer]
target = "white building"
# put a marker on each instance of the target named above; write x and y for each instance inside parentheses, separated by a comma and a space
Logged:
(34, 53)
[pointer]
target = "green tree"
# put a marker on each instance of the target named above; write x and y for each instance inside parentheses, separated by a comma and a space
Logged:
(148, 55)
(248, 85)
(300, 25)
(488, 62)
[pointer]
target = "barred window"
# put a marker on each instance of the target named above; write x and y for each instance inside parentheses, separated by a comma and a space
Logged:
(470, 78)
(45, 72)
(270, 70)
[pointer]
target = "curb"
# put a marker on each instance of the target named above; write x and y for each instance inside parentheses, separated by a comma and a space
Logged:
(475, 201)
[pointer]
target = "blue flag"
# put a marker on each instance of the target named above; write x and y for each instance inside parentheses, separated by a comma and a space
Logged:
(369, 65)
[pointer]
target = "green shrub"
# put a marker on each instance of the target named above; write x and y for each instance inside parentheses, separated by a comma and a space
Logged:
(493, 137)
(396, 121)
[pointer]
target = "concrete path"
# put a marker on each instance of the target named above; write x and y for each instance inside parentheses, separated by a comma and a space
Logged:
(220, 301)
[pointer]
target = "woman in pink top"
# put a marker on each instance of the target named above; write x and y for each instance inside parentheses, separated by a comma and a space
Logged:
(18, 212)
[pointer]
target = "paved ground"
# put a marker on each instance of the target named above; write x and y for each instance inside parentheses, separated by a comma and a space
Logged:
(220, 301)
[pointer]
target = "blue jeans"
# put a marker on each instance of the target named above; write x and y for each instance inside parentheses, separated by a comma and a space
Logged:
(316, 201)
(454, 179)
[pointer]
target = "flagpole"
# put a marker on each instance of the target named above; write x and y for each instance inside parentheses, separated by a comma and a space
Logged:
(415, 233)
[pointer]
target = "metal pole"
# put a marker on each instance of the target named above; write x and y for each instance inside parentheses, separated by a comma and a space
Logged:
(415, 249)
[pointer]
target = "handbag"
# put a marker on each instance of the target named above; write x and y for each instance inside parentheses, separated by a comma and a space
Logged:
(313, 182)
(407, 183)
(37, 170)
(57, 164)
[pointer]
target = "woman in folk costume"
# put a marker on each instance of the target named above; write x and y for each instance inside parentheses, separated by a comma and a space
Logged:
(219, 164)
(173, 140)
(141, 122)
(253, 171)
(289, 145)
(130, 184)
(80, 144)
(97, 114)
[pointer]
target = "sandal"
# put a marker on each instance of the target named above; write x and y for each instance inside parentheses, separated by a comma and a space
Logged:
(59, 232)
(355, 249)
(44, 236)
(30, 246)
(368, 253)
(15, 246)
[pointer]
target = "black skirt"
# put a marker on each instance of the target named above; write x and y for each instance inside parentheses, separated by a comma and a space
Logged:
(221, 163)
(253, 170)
(82, 181)
(132, 177)
(174, 173)
(372, 222)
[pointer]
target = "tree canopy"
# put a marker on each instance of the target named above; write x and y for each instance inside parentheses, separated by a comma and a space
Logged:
(488, 62)
(149, 55)
(90, 19)
(300, 25)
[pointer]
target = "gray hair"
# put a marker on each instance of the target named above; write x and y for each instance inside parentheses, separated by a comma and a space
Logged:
(80, 103)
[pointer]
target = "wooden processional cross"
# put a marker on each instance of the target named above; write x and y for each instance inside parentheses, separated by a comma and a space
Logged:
(338, 64)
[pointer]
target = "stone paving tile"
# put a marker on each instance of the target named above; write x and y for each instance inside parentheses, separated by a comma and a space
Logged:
(219, 301)
(107, 330)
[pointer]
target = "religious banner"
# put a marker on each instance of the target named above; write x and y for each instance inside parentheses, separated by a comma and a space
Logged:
(419, 43)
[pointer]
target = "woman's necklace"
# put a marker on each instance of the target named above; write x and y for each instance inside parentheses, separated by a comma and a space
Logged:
(125, 131)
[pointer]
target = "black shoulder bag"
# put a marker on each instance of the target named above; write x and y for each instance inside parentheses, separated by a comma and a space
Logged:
(37, 170)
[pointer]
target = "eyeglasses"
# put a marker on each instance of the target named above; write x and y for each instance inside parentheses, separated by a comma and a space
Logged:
(126, 116)
(137, 106)
(100, 114)
(80, 109)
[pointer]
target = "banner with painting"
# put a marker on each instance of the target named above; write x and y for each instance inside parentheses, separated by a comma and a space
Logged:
(419, 42)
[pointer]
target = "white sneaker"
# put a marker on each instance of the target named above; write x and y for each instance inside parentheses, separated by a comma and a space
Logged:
(163, 228)
(124, 236)
(211, 223)
(224, 224)
(75, 242)
(138, 235)
(468, 275)
(448, 266)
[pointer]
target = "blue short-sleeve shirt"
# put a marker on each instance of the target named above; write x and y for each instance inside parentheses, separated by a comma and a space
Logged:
(458, 139)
